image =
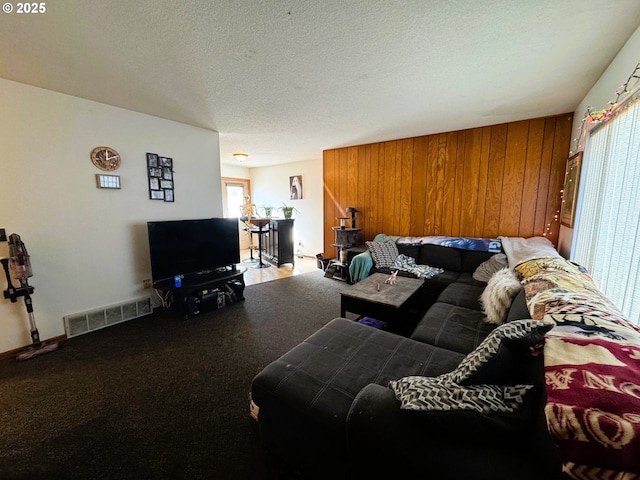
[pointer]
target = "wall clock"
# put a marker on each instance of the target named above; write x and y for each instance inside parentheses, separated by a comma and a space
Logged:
(105, 158)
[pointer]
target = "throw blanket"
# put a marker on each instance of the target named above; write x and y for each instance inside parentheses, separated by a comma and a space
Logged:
(592, 371)
(360, 266)
(362, 263)
(520, 249)
(464, 243)
(408, 264)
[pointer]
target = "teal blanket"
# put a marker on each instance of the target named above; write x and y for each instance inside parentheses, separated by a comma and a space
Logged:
(360, 266)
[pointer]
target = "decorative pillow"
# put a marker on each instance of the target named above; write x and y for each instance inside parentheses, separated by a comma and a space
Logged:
(428, 394)
(477, 397)
(499, 358)
(500, 291)
(486, 269)
(384, 254)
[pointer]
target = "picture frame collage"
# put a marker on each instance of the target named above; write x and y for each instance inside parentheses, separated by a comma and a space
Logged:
(160, 173)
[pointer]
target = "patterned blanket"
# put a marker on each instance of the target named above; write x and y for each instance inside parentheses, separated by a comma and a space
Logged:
(465, 243)
(592, 371)
(408, 264)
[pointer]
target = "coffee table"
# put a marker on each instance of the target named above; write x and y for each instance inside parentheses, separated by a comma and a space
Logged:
(374, 298)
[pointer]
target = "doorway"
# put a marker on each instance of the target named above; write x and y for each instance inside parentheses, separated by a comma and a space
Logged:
(233, 193)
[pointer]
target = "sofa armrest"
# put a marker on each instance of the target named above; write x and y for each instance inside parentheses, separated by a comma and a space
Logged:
(406, 442)
(518, 309)
(375, 423)
(375, 415)
(376, 411)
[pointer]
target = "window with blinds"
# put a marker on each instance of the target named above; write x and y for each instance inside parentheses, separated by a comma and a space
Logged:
(607, 237)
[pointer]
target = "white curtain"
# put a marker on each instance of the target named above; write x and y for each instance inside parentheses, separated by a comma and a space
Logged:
(607, 239)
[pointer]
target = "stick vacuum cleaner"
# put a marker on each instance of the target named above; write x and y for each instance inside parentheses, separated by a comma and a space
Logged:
(20, 265)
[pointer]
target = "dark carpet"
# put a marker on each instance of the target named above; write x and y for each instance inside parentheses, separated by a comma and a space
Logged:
(157, 397)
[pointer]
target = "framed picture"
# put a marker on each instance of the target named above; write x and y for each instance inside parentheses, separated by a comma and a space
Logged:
(570, 190)
(155, 172)
(295, 187)
(168, 195)
(152, 160)
(154, 183)
(167, 174)
(156, 194)
(164, 184)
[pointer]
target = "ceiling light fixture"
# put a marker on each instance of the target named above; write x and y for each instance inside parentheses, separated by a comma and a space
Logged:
(241, 157)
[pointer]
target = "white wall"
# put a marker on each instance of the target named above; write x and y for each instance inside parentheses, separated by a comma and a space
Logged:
(598, 97)
(89, 246)
(234, 171)
(270, 186)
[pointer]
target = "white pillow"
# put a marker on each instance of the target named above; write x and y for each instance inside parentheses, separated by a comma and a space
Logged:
(500, 291)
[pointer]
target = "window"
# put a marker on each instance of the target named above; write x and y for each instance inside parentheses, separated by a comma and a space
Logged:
(607, 237)
(233, 195)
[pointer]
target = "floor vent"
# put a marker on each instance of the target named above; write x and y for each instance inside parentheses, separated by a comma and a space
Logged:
(85, 322)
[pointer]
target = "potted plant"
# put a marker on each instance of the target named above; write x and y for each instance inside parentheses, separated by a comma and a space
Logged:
(268, 210)
(287, 211)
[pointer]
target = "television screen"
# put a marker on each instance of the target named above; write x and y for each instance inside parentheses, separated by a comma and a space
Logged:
(186, 247)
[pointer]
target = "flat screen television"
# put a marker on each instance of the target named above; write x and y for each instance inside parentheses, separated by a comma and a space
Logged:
(192, 247)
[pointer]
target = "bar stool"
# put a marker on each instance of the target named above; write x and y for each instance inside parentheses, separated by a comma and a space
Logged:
(260, 223)
(248, 227)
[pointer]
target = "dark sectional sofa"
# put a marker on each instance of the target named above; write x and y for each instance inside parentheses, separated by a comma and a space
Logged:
(326, 411)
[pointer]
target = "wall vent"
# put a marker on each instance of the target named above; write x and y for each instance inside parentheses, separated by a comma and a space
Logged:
(85, 322)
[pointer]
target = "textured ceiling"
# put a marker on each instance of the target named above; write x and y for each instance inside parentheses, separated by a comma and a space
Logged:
(284, 80)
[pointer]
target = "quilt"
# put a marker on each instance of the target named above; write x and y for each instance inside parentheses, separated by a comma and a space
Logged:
(592, 371)
(493, 245)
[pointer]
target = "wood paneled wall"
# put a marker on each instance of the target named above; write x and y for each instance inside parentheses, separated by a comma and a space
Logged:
(482, 182)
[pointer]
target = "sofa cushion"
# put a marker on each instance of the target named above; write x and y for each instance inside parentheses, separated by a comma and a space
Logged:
(452, 327)
(471, 259)
(462, 295)
(384, 254)
(496, 298)
(440, 281)
(448, 258)
(467, 279)
(305, 395)
(412, 251)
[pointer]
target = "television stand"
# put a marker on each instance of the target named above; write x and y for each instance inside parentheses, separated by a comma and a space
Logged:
(211, 291)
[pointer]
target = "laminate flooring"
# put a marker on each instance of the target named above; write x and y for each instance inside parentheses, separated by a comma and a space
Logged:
(259, 275)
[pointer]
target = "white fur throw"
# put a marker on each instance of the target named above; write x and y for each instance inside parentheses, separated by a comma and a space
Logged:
(496, 298)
